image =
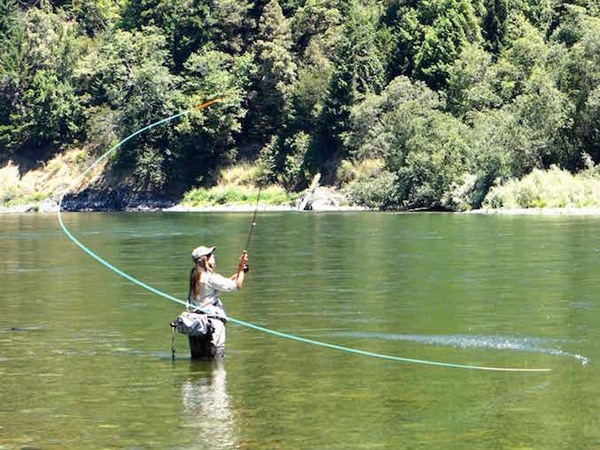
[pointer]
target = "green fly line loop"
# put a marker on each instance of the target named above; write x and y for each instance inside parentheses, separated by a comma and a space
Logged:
(231, 319)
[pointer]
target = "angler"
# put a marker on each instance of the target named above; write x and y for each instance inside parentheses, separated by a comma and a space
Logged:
(206, 330)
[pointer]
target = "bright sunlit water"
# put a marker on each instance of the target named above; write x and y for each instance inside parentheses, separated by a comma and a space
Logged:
(85, 355)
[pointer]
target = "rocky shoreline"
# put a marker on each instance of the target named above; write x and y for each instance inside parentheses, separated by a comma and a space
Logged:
(113, 203)
(320, 199)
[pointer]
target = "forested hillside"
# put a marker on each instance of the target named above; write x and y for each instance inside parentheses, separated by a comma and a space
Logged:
(406, 103)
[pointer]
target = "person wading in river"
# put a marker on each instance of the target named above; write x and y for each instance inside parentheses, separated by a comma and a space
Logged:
(203, 296)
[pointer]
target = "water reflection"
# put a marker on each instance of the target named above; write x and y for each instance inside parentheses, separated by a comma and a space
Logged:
(207, 405)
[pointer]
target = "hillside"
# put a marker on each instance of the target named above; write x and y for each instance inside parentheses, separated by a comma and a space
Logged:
(397, 104)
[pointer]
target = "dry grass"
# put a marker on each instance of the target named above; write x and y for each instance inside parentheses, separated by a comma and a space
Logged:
(350, 170)
(48, 181)
(241, 175)
(554, 188)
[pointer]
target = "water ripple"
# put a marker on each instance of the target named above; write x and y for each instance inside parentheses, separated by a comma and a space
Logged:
(465, 341)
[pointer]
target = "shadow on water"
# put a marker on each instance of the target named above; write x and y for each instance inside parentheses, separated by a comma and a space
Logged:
(465, 341)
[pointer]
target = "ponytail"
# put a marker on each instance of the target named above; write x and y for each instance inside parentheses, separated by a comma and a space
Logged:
(201, 265)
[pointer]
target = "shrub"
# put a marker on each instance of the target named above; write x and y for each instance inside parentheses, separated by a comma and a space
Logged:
(366, 182)
(554, 188)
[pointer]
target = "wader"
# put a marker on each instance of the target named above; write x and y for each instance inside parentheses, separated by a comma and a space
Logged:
(211, 345)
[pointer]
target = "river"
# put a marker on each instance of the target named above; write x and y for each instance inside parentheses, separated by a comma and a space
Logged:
(85, 354)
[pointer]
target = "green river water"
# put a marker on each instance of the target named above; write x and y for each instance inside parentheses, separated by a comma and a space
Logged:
(85, 355)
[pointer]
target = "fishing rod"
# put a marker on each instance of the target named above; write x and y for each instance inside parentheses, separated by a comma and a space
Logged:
(252, 225)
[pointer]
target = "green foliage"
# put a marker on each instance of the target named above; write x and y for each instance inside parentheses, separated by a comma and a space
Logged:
(308, 96)
(269, 161)
(470, 82)
(294, 172)
(520, 137)
(8, 17)
(495, 24)
(39, 109)
(543, 115)
(95, 17)
(423, 147)
(431, 162)
(12, 63)
(284, 162)
(590, 123)
(189, 25)
(358, 71)
(149, 168)
(316, 25)
(429, 36)
(579, 77)
(276, 70)
(372, 133)
(367, 183)
(129, 73)
(454, 26)
(572, 26)
(315, 29)
(518, 62)
(206, 137)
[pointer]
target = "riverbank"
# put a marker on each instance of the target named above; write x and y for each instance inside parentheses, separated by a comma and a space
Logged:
(539, 211)
(38, 190)
(41, 188)
(321, 199)
(49, 206)
(49, 209)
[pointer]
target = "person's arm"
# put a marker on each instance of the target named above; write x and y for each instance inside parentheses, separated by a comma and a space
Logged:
(238, 277)
(223, 284)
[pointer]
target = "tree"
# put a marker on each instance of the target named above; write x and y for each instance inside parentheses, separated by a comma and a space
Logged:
(8, 17)
(589, 125)
(129, 73)
(470, 82)
(495, 24)
(190, 25)
(207, 137)
(275, 74)
(454, 26)
(315, 28)
(358, 71)
(523, 135)
(94, 17)
(424, 148)
(428, 36)
(372, 134)
(13, 62)
(579, 75)
(40, 111)
(316, 24)
(528, 52)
